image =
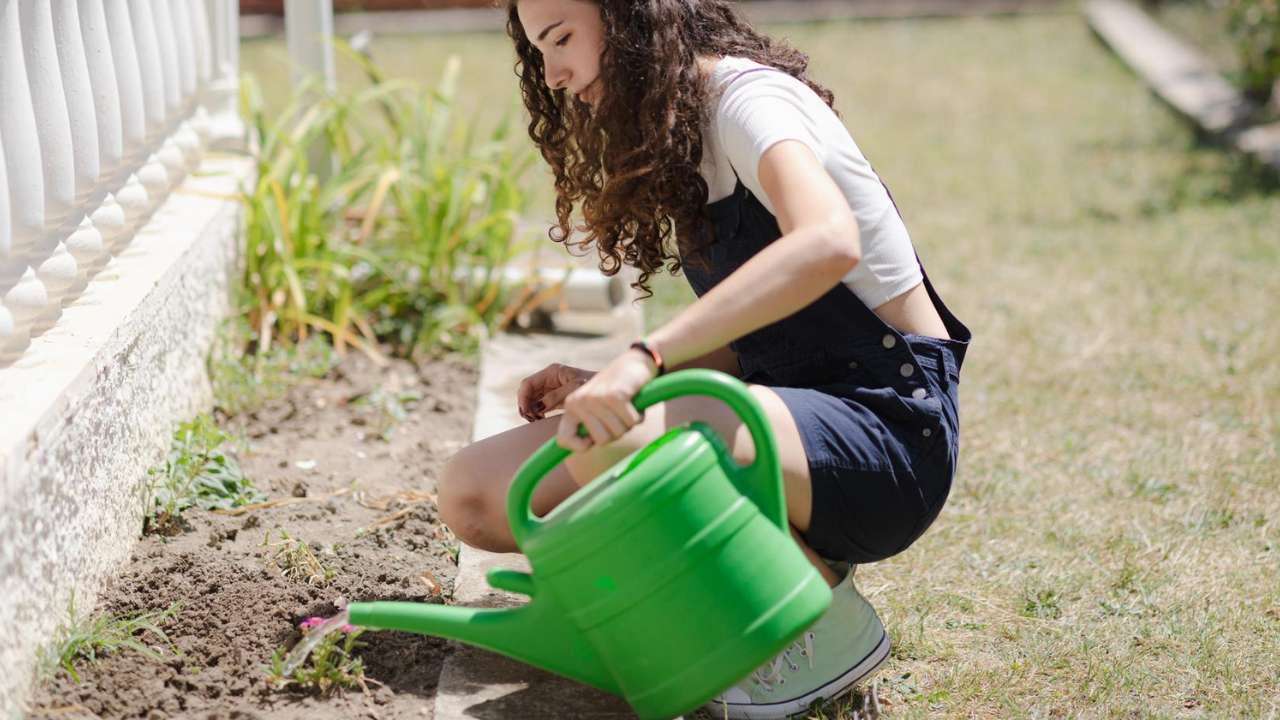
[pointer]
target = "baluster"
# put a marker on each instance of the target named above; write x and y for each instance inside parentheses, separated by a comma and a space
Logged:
(169, 60)
(198, 15)
(133, 198)
(21, 292)
(54, 265)
(85, 243)
(154, 175)
(180, 27)
(226, 126)
(109, 217)
(198, 11)
(11, 344)
(175, 164)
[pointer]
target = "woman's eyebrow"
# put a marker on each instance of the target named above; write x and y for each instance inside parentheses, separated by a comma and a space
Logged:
(551, 27)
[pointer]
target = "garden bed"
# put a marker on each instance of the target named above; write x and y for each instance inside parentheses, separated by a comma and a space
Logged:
(349, 462)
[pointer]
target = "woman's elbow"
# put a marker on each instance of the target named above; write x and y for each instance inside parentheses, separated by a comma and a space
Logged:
(843, 242)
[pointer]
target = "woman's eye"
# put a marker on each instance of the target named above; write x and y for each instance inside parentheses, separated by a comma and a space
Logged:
(564, 40)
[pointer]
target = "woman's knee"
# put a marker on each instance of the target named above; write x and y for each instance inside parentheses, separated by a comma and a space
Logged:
(465, 501)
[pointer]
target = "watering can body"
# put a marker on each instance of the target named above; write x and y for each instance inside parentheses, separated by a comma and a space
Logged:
(664, 580)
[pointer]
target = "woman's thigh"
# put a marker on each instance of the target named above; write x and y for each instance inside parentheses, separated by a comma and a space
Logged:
(474, 487)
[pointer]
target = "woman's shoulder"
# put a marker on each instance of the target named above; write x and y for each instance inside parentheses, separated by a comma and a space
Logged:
(737, 82)
(730, 69)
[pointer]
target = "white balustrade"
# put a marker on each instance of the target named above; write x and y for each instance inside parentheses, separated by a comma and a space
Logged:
(105, 106)
(24, 297)
(55, 267)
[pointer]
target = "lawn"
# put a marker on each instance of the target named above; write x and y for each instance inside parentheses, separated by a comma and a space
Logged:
(1111, 545)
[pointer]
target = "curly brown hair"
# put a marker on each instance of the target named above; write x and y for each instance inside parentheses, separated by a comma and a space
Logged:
(632, 161)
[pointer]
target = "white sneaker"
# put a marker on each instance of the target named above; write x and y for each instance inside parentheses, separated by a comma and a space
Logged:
(843, 648)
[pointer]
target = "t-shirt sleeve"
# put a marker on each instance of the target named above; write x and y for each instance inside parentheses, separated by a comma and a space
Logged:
(759, 109)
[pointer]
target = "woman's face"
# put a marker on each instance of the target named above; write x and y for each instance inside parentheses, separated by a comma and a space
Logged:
(570, 36)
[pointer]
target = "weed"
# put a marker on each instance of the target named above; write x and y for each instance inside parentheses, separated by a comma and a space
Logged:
(331, 667)
(1042, 604)
(389, 408)
(295, 559)
(86, 640)
(244, 378)
(196, 473)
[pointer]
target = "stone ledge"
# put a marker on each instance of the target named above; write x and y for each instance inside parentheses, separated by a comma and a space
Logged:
(91, 404)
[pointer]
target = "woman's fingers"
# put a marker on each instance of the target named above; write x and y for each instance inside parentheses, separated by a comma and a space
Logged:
(554, 398)
(604, 420)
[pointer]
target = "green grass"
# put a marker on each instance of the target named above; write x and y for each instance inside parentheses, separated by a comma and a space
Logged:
(81, 641)
(1111, 545)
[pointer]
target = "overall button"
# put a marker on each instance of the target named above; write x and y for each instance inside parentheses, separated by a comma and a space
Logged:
(853, 364)
(926, 432)
(919, 393)
(889, 341)
(907, 369)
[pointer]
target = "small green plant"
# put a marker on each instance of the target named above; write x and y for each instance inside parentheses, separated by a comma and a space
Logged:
(389, 408)
(331, 666)
(86, 640)
(295, 559)
(245, 377)
(198, 472)
(1255, 26)
(1042, 604)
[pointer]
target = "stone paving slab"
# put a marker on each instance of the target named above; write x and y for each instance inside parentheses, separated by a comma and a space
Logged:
(476, 683)
(1175, 70)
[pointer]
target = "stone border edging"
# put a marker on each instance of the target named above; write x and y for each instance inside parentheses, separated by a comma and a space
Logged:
(471, 679)
(1182, 77)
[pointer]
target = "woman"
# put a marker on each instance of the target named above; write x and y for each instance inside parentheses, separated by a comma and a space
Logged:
(690, 141)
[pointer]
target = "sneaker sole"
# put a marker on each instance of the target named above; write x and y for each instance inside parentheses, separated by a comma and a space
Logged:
(830, 691)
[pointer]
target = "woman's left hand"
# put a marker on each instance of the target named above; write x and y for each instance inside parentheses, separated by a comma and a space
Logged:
(603, 404)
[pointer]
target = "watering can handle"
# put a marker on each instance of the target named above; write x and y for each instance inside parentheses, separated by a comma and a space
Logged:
(764, 475)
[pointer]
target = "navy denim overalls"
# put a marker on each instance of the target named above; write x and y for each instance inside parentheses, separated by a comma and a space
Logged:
(876, 408)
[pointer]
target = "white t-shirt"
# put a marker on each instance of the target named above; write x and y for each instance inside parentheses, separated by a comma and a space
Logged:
(757, 106)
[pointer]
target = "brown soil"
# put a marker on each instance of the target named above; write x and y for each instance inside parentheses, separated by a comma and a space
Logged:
(321, 452)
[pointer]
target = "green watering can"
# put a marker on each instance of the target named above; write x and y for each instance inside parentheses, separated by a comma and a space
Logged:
(665, 580)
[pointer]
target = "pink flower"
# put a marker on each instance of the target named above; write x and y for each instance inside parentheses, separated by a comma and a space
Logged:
(348, 628)
(310, 623)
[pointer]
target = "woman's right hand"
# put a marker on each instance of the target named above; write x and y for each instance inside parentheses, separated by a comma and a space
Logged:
(545, 390)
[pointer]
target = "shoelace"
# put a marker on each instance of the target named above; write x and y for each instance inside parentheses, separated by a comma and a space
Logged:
(767, 675)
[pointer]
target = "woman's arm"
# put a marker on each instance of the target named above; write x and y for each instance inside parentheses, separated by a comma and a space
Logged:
(723, 359)
(818, 248)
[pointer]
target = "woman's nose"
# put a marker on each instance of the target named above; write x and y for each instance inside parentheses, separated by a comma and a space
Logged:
(557, 76)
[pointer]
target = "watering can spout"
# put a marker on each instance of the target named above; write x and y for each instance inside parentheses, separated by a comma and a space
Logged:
(536, 633)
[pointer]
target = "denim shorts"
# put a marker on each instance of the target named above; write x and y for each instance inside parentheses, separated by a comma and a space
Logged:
(881, 459)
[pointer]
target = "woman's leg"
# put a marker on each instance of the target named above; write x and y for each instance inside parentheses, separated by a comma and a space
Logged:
(473, 487)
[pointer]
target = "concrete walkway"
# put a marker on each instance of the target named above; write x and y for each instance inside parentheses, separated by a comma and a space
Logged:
(1184, 78)
(479, 684)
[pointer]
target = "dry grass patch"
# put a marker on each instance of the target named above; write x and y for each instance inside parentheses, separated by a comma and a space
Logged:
(1111, 545)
